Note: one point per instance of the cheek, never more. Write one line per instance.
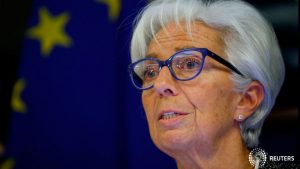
(146, 103)
(213, 93)
(200, 95)
(213, 108)
(149, 105)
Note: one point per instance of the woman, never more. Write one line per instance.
(210, 73)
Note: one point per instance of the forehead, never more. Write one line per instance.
(174, 37)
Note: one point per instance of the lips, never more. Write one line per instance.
(170, 114)
(171, 118)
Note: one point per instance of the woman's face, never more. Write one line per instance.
(190, 115)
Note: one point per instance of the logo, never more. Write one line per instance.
(257, 157)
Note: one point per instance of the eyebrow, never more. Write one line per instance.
(154, 55)
(151, 55)
(184, 47)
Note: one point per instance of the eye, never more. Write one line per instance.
(188, 63)
(150, 73)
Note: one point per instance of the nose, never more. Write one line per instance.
(165, 85)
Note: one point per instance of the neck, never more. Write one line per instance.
(229, 152)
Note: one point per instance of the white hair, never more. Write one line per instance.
(250, 45)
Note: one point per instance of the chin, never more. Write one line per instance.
(171, 141)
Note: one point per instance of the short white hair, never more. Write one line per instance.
(250, 45)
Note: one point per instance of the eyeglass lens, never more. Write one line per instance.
(183, 65)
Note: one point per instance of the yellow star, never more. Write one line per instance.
(8, 164)
(50, 31)
(17, 103)
(114, 8)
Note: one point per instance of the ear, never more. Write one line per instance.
(249, 101)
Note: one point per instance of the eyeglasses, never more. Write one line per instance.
(184, 65)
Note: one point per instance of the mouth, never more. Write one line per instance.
(171, 116)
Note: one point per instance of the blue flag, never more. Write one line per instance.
(74, 106)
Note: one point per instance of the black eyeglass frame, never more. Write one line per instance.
(205, 52)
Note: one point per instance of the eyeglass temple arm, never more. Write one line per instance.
(226, 63)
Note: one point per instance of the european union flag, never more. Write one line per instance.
(74, 106)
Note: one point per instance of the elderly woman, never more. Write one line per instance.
(210, 73)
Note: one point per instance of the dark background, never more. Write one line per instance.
(280, 132)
